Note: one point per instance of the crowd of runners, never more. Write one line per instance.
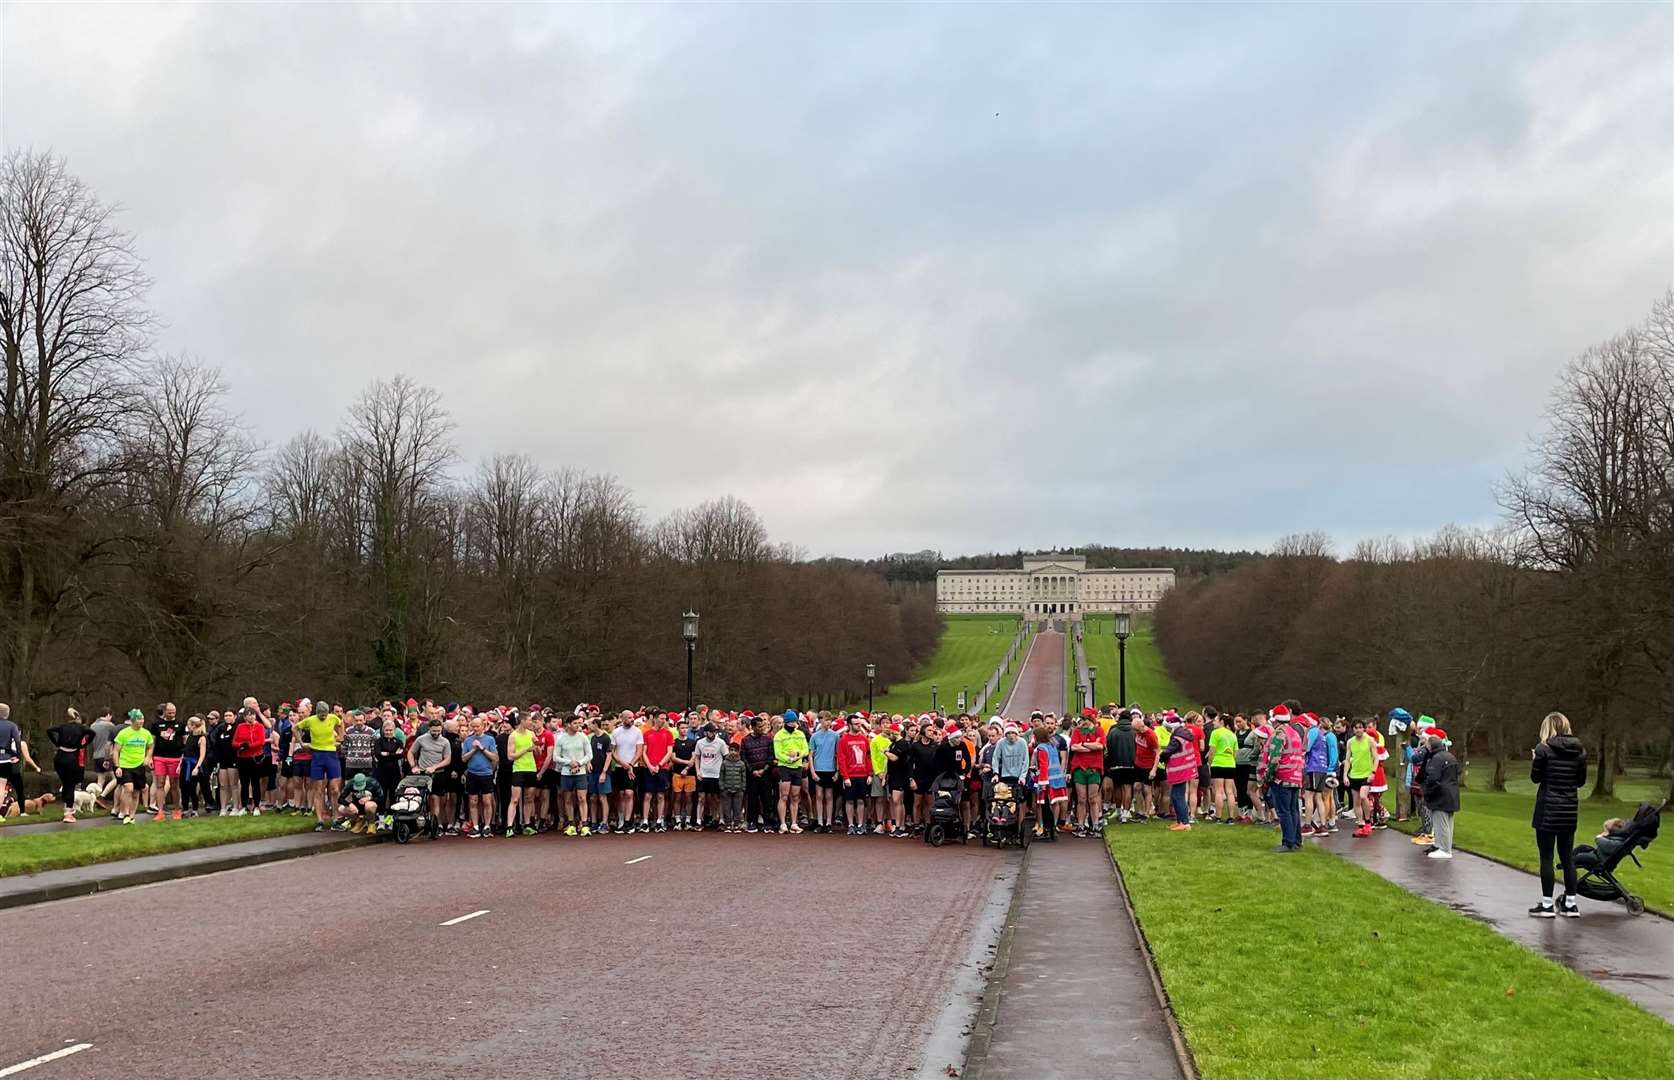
(509, 771)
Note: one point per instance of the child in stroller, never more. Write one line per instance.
(1005, 812)
(409, 808)
(945, 821)
(1618, 841)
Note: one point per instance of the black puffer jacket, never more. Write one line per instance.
(1560, 768)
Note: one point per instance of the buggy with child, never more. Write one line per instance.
(1005, 809)
(945, 822)
(1598, 862)
(409, 808)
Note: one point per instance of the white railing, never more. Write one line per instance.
(992, 687)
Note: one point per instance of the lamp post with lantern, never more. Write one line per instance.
(1124, 627)
(871, 677)
(689, 631)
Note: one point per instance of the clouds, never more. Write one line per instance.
(1211, 275)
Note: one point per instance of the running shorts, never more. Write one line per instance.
(1223, 772)
(166, 766)
(683, 783)
(326, 765)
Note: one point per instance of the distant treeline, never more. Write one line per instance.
(1186, 562)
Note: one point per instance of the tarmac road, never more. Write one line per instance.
(1040, 683)
(716, 957)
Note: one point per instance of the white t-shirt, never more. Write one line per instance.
(627, 741)
(710, 752)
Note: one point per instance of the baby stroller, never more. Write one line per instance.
(1598, 881)
(409, 808)
(1005, 813)
(945, 823)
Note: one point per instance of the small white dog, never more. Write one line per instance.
(87, 799)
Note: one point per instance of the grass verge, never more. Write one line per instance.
(35, 852)
(970, 648)
(1499, 824)
(1149, 682)
(1269, 975)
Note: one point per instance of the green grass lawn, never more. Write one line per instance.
(1008, 677)
(971, 647)
(34, 852)
(1148, 680)
(1499, 824)
(1309, 966)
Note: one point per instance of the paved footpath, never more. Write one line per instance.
(1040, 681)
(650, 957)
(1631, 955)
(1076, 1001)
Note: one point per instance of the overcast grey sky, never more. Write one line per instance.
(958, 277)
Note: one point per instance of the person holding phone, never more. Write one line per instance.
(1558, 766)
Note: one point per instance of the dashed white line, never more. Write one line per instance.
(462, 918)
(630, 862)
(12, 1070)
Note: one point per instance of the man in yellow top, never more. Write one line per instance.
(790, 753)
(325, 768)
(520, 751)
(134, 745)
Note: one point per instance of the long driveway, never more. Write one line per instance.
(1040, 682)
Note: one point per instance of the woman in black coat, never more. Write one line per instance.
(1558, 769)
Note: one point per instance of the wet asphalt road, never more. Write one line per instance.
(717, 957)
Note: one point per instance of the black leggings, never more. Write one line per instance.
(1565, 843)
(1242, 786)
(250, 776)
(68, 768)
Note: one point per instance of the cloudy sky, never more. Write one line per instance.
(962, 277)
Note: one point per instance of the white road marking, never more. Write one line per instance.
(11, 1070)
(462, 918)
(630, 862)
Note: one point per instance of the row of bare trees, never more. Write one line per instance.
(1569, 605)
(151, 548)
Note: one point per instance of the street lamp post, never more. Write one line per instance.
(871, 675)
(933, 697)
(1080, 696)
(1124, 627)
(1093, 684)
(688, 630)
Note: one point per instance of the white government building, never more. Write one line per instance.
(1058, 586)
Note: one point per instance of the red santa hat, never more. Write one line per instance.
(1279, 713)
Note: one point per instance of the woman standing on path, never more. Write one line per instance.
(69, 740)
(1559, 767)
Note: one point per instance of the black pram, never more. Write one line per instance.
(1598, 873)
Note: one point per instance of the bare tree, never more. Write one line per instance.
(73, 327)
(398, 449)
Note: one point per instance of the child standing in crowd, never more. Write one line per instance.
(732, 782)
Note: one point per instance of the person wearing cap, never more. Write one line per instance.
(1280, 768)
(790, 755)
(357, 808)
(708, 754)
(1119, 770)
(133, 764)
